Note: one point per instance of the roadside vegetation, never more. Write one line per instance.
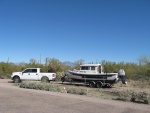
(123, 95)
(134, 71)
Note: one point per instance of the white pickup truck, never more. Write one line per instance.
(33, 74)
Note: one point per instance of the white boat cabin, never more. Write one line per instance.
(90, 68)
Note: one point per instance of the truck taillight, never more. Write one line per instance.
(53, 75)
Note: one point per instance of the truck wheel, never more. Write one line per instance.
(45, 80)
(16, 80)
(99, 84)
(92, 84)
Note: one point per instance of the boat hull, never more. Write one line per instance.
(83, 77)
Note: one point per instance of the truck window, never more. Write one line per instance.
(34, 70)
(27, 71)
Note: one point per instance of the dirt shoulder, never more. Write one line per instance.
(117, 92)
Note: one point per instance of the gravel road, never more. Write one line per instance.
(17, 100)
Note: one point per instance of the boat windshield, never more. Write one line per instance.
(85, 68)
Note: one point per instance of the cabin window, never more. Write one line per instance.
(85, 68)
(92, 67)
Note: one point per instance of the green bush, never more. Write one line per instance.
(72, 90)
(124, 95)
(39, 86)
(140, 97)
(83, 91)
(79, 91)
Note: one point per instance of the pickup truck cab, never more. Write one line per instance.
(32, 74)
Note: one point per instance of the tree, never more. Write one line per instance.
(54, 65)
(47, 61)
(144, 66)
(32, 61)
(78, 63)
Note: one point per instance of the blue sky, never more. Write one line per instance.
(70, 30)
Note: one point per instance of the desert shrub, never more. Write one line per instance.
(144, 66)
(141, 97)
(72, 90)
(51, 87)
(24, 85)
(59, 75)
(83, 91)
(54, 88)
(124, 95)
(79, 91)
(39, 86)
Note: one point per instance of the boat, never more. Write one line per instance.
(91, 74)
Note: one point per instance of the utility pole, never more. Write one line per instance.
(40, 58)
(8, 60)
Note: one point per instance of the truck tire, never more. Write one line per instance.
(92, 84)
(16, 79)
(45, 80)
(99, 84)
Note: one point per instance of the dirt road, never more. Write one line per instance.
(17, 100)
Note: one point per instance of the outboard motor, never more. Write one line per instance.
(121, 74)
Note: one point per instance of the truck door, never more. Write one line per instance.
(34, 75)
(26, 74)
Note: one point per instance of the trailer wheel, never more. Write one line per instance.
(92, 84)
(99, 84)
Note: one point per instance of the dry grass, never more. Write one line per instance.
(139, 84)
(135, 91)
